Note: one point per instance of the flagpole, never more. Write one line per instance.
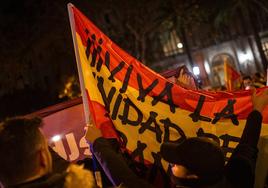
(78, 62)
(83, 91)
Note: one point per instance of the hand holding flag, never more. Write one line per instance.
(186, 79)
(92, 134)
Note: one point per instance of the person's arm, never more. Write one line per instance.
(252, 130)
(113, 162)
(240, 169)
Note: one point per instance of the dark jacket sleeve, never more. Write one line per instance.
(115, 166)
(240, 169)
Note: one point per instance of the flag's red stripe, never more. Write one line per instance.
(101, 120)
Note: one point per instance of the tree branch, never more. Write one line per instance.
(261, 5)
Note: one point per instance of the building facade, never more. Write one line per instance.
(241, 53)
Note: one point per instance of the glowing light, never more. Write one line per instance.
(180, 45)
(243, 57)
(56, 138)
(196, 71)
(207, 68)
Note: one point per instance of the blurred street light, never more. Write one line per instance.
(180, 45)
(56, 138)
(196, 71)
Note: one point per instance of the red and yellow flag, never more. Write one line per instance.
(230, 76)
(129, 100)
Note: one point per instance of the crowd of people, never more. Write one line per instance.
(255, 81)
(26, 161)
(187, 80)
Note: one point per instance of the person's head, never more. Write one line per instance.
(196, 160)
(258, 76)
(24, 151)
(259, 79)
(247, 82)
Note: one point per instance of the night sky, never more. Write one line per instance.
(36, 54)
(36, 51)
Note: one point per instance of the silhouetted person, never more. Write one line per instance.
(199, 162)
(259, 80)
(26, 162)
(247, 83)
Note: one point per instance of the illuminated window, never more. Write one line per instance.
(265, 48)
(171, 43)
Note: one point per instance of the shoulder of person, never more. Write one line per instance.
(77, 176)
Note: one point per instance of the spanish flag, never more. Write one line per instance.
(230, 76)
(129, 101)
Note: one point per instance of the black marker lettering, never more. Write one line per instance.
(227, 112)
(156, 129)
(167, 124)
(126, 79)
(116, 70)
(143, 92)
(196, 115)
(166, 92)
(125, 117)
(106, 100)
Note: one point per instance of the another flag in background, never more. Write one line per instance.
(231, 76)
